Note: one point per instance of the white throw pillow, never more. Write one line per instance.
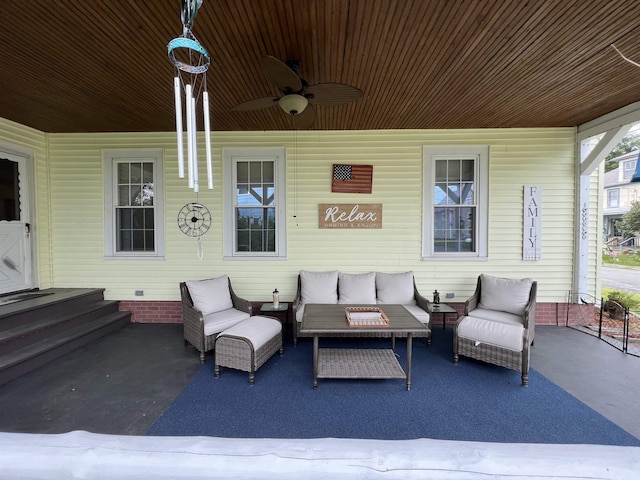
(395, 288)
(210, 296)
(504, 294)
(357, 288)
(319, 287)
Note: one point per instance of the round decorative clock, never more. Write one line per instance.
(194, 219)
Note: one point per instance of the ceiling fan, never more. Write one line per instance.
(298, 97)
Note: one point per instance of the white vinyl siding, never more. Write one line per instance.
(70, 199)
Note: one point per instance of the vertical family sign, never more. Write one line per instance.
(532, 235)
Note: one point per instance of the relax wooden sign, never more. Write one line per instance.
(350, 215)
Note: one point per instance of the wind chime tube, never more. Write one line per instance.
(207, 137)
(196, 185)
(190, 149)
(178, 99)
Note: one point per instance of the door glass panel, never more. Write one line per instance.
(9, 190)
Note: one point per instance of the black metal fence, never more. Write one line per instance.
(608, 320)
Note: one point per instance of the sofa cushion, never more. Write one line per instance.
(319, 287)
(505, 294)
(220, 321)
(503, 334)
(210, 296)
(357, 288)
(395, 288)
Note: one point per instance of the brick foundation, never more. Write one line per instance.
(171, 312)
(546, 313)
(153, 312)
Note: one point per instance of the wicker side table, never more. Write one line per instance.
(248, 345)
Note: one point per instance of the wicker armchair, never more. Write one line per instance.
(498, 325)
(209, 307)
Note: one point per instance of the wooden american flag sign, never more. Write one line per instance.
(352, 178)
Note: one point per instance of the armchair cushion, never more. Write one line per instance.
(220, 321)
(319, 287)
(357, 288)
(210, 296)
(395, 288)
(504, 294)
(500, 331)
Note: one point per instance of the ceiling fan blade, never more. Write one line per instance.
(332, 93)
(256, 104)
(286, 79)
(305, 119)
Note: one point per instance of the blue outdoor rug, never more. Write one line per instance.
(471, 401)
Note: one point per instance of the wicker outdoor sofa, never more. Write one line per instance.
(373, 288)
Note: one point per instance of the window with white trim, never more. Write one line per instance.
(613, 197)
(455, 223)
(628, 169)
(254, 207)
(134, 216)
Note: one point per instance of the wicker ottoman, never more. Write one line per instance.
(248, 345)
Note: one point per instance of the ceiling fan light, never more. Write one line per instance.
(293, 104)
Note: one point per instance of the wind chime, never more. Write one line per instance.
(192, 61)
(190, 83)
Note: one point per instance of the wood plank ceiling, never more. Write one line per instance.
(102, 66)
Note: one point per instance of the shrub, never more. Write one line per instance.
(625, 299)
(630, 224)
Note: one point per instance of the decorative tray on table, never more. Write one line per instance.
(366, 317)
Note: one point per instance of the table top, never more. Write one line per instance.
(442, 308)
(268, 307)
(331, 318)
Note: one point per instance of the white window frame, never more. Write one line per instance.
(611, 196)
(230, 158)
(110, 160)
(628, 169)
(480, 153)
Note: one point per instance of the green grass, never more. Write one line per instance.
(630, 300)
(626, 259)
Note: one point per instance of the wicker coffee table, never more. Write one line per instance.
(329, 320)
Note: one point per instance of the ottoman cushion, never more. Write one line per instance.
(258, 330)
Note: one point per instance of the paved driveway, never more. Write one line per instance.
(621, 278)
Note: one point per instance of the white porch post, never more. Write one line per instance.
(590, 152)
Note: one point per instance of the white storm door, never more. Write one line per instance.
(15, 244)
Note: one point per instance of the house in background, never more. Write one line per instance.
(621, 190)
